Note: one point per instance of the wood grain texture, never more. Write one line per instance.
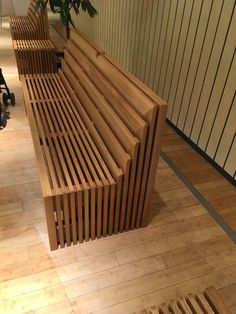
(208, 301)
(195, 168)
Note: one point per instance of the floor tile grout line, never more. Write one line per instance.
(211, 210)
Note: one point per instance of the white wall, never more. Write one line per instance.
(18, 7)
(7, 8)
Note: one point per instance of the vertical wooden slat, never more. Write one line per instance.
(206, 53)
(193, 68)
(178, 57)
(139, 34)
(157, 33)
(49, 211)
(162, 41)
(227, 135)
(222, 111)
(227, 49)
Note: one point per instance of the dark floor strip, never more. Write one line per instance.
(231, 233)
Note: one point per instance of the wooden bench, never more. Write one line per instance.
(32, 26)
(133, 101)
(33, 56)
(32, 46)
(207, 302)
(97, 132)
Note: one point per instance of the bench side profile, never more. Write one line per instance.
(151, 109)
(118, 128)
(106, 155)
(121, 157)
(126, 124)
(32, 26)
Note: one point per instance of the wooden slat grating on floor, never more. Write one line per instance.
(207, 302)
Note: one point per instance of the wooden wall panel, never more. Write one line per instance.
(185, 51)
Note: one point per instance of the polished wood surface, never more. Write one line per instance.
(182, 250)
(217, 190)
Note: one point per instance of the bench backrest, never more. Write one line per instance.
(34, 26)
(39, 20)
(141, 110)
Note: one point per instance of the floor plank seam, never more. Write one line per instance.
(220, 221)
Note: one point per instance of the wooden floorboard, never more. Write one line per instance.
(217, 190)
(182, 250)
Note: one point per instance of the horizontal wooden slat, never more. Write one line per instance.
(32, 26)
(72, 163)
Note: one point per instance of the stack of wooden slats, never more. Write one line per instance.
(32, 47)
(134, 115)
(78, 188)
(97, 134)
(32, 26)
(207, 302)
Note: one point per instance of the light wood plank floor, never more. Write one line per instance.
(218, 191)
(182, 250)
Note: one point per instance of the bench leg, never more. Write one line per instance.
(53, 242)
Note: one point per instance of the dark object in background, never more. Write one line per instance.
(56, 59)
(8, 98)
(4, 116)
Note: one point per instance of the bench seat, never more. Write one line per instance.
(78, 189)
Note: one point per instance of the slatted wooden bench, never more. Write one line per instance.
(207, 302)
(32, 26)
(33, 56)
(93, 97)
(133, 103)
(78, 188)
(32, 46)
